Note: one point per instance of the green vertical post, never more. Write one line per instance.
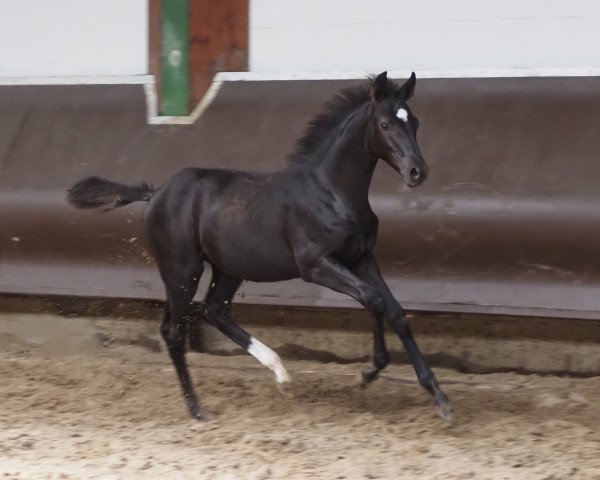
(175, 58)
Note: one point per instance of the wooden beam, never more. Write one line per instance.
(218, 41)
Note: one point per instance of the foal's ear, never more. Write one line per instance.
(380, 87)
(408, 89)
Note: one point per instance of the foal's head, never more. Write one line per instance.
(392, 130)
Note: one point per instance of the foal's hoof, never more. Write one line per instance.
(444, 410)
(366, 377)
(202, 415)
(283, 388)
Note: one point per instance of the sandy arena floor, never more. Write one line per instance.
(82, 399)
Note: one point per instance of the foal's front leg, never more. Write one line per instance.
(374, 295)
(381, 357)
(368, 271)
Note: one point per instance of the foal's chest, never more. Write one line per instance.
(351, 233)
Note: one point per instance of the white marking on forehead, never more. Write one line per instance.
(269, 359)
(402, 114)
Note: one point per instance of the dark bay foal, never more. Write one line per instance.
(310, 220)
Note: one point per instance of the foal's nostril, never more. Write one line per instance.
(415, 173)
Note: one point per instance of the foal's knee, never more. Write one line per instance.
(373, 302)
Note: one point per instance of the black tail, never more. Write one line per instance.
(96, 192)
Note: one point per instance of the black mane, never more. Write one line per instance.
(336, 110)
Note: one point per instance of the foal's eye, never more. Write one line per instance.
(385, 125)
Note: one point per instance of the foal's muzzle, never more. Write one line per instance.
(416, 175)
(414, 170)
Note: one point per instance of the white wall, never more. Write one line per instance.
(110, 37)
(372, 35)
(73, 37)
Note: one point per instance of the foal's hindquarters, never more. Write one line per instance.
(176, 218)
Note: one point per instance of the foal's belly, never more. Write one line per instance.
(248, 249)
(266, 264)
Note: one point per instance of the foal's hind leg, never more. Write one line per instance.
(217, 312)
(181, 281)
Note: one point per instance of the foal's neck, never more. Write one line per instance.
(346, 164)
